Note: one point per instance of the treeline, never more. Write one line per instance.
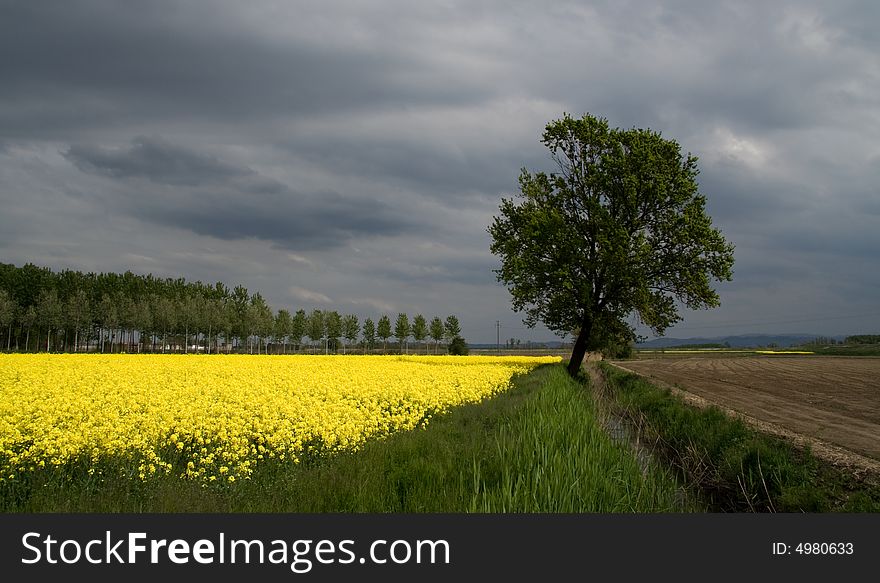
(71, 311)
(820, 341)
(863, 339)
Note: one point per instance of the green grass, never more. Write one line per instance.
(536, 448)
(737, 468)
(846, 350)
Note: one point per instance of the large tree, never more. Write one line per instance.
(620, 230)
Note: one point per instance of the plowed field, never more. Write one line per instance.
(830, 400)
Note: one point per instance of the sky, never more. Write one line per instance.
(350, 155)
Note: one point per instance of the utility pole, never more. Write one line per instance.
(498, 336)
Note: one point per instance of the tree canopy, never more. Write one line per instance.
(620, 229)
(109, 312)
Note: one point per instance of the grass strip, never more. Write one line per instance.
(736, 468)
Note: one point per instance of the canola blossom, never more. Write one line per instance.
(216, 417)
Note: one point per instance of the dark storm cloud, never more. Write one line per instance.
(423, 167)
(156, 160)
(78, 64)
(221, 130)
(466, 270)
(747, 201)
(215, 198)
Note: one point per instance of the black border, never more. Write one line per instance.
(515, 547)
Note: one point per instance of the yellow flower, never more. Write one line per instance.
(205, 416)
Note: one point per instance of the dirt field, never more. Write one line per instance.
(833, 403)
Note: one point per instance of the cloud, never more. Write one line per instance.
(361, 150)
(156, 160)
(226, 201)
(306, 295)
(301, 260)
(382, 306)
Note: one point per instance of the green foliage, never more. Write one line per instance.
(111, 312)
(436, 331)
(369, 333)
(451, 328)
(738, 468)
(863, 339)
(350, 327)
(283, 323)
(402, 329)
(621, 229)
(315, 326)
(419, 328)
(458, 346)
(383, 329)
(298, 326)
(8, 308)
(333, 327)
(846, 350)
(821, 341)
(618, 349)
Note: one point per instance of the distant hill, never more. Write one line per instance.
(742, 341)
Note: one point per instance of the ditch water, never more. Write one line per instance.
(623, 431)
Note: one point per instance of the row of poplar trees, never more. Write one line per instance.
(71, 311)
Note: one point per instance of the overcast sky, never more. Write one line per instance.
(350, 155)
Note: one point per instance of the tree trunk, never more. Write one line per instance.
(580, 347)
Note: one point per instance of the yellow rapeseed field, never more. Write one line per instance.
(215, 417)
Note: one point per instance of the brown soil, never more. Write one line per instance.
(830, 403)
